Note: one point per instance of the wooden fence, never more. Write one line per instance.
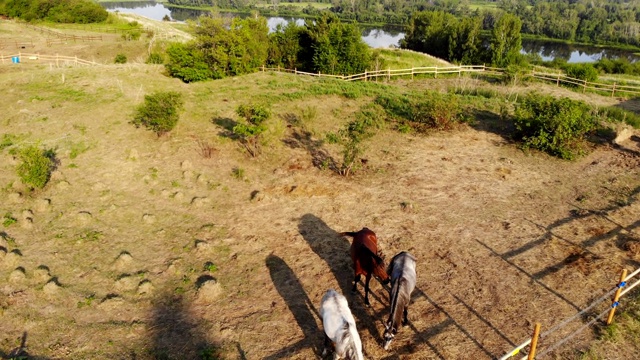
(459, 70)
(57, 59)
(389, 73)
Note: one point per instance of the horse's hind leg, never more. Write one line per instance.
(327, 344)
(366, 290)
(405, 321)
(355, 283)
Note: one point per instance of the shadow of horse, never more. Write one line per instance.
(174, 333)
(293, 294)
(334, 251)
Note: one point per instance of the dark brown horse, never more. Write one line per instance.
(366, 260)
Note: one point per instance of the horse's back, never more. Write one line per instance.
(403, 265)
(334, 311)
(363, 239)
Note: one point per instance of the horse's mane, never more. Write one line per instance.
(399, 299)
(348, 340)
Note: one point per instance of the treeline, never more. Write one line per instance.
(62, 11)
(458, 40)
(595, 21)
(591, 21)
(227, 47)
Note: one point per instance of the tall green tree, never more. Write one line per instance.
(221, 47)
(506, 41)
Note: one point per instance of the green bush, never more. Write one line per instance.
(35, 166)
(160, 111)
(188, 63)
(584, 72)
(556, 126)
(437, 111)
(249, 132)
(431, 111)
(121, 59)
(155, 58)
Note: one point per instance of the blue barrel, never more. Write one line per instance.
(15, 59)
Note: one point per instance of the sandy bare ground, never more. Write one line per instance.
(141, 248)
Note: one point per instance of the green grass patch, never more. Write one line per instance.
(405, 59)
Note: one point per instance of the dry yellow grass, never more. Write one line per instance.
(113, 258)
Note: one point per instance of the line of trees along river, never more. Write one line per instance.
(385, 36)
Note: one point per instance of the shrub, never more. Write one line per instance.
(584, 72)
(369, 118)
(432, 111)
(120, 59)
(250, 132)
(188, 63)
(155, 58)
(160, 111)
(556, 126)
(35, 166)
(437, 111)
(132, 35)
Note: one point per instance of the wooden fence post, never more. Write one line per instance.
(613, 91)
(585, 86)
(365, 75)
(616, 297)
(435, 74)
(534, 342)
(411, 74)
(558, 81)
(389, 73)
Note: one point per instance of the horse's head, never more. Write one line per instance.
(389, 334)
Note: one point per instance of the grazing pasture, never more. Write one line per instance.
(184, 246)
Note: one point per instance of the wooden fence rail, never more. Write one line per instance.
(57, 59)
(436, 70)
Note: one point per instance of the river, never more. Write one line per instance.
(387, 36)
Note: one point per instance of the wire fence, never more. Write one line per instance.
(582, 313)
(64, 36)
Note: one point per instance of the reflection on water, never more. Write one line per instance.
(384, 36)
(550, 50)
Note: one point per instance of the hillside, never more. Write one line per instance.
(143, 247)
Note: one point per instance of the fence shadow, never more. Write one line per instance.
(424, 336)
(174, 333)
(334, 251)
(293, 294)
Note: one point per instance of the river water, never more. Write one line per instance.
(387, 36)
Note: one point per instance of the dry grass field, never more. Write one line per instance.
(145, 248)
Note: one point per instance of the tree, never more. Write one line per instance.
(336, 47)
(506, 42)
